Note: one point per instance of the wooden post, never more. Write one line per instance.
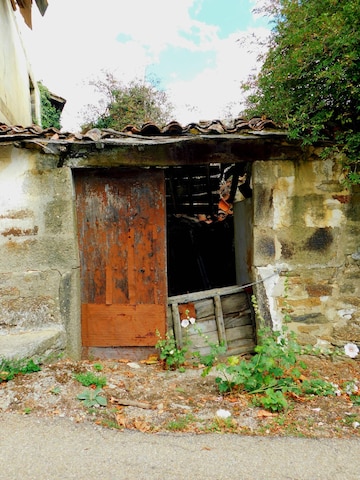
(176, 324)
(220, 320)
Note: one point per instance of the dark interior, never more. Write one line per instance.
(200, 255)
(200, 236)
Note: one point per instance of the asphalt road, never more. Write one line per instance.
(44, 449)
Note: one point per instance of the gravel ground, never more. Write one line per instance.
(146, 398)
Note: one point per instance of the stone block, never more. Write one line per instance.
(310, 318)
(36, 344)
(318, 290)
(264, 251)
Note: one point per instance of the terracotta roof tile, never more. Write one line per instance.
(214, 127)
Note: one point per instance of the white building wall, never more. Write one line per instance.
(18, 89)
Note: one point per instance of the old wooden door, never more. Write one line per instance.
(121, 218)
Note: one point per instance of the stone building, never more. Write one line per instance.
(85, 261)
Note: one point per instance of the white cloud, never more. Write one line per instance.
(216, 91)
(75, 40)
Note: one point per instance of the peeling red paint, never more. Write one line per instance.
(19, 232)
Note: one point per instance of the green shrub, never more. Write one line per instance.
(272, 373)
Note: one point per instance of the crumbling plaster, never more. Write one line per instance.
(39, 262)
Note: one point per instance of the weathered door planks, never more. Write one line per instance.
(122, 241)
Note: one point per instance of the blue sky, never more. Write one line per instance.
(229, 15)
(199, 50)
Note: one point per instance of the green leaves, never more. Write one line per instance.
(50, 116)
(10, 368)
(271, 373)
(122, 104)
(310, 80)
(89, 378)
(92, 398)
(172, 356)
(272, 400)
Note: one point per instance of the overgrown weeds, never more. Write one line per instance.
(10, 368)
(273, 374)
(88, 379)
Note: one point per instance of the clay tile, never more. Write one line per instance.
(254, 123)
(204, 123)
(150, 129)
(267, 123)
(216, 127)
(194, 129)
(173, 128)
(130, 129)
(18, 129)
(94, 134)
(35, 129)
(4, 129)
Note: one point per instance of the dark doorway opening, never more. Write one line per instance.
(200, 255)
(200, 225)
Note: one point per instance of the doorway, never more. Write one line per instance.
(204, 242)
(146, 235)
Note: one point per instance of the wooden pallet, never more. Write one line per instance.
(223, 315)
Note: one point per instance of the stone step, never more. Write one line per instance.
(39, 344)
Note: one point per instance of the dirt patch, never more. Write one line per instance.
(146, 397)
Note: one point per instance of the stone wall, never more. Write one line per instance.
(307, 245)
(39, 265)
(305, 248)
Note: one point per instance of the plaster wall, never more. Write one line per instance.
(307, 248)
(19, 96)
(39, 264)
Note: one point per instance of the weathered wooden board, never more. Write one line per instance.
(233, 334)
(239, 321)
(223, 314)
(205, 309)
(121, 217)
(235, 303)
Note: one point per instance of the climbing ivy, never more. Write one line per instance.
(50, 116)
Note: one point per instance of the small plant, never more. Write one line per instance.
(273, 400)
(286, 309)
(98, 367)
(317, 386)
(27, 411)
(89, 378)
(211, 358)
(10, 368)
(175, 357)
(180, 423)
(92, 398)
(55, 390)
(172, 356)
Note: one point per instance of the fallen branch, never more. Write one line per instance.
(130, 403)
